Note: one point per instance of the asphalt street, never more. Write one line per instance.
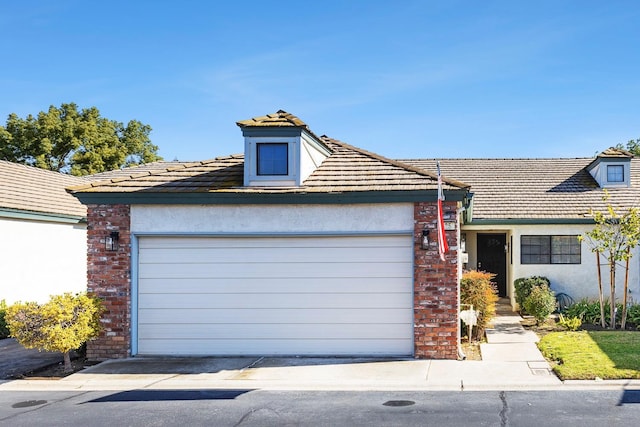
(149, 407)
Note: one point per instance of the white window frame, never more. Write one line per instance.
(251, 177)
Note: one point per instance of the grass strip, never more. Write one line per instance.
(594, 354)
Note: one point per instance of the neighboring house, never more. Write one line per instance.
(43, 230)
(303, 245)
(527, 213)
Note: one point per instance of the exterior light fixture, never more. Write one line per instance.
(424, 243)
(111, 241)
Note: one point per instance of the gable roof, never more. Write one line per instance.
(32, 190)
(542, 190)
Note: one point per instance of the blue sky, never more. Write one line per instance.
(405, 79)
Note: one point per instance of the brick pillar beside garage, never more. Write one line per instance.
(435, 306)
(109, 278)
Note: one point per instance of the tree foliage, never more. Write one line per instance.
(63, 324)
(613, 237)
(79, 142)
(632, 146)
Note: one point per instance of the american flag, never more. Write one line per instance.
(443, 246)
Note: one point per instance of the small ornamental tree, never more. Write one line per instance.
(63, 324)
(613, 237)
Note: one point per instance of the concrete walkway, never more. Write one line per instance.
(511, 361)
(508, 341)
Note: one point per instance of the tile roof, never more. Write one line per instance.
(135, 169)
(534, 188)
(615, 152)
(279, 119)
(347, 169)
(34, 190)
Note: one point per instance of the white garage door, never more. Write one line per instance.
(347, 295)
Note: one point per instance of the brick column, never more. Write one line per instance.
(109, 278)
(435, 306)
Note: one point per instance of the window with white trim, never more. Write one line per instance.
(543, 249)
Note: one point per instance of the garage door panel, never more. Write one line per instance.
(382, 241)
(313, 347)
(275, 295)
(327, 331)
(222, 317)
(261, 270)
(273, 255)
(335, 285)
(277, 301)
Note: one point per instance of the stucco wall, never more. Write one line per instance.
(272, 218)
(577, 280)
(39, 259)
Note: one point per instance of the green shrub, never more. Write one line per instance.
(540, 303)
(589, 312)
(570, 323)
(525, 285)
(63, 324)
(4, 331)
(633, 315)
(586, 310)
(476, 288)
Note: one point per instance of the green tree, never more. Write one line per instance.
(79, 142)
(613, 237)
(63, 324)
(632, 146)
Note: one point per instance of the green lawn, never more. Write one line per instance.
(595, 354)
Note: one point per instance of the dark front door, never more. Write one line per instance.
(492, 258)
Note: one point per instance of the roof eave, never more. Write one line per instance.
(227, 198)
(528, 221)
(41, 216)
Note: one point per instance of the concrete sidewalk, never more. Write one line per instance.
(511, 361)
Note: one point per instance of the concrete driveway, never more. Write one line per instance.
(16, 360)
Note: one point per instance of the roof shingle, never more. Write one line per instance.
(535, 188)
(30, 189)
(347, 169)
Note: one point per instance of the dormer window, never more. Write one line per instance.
(612, 168)
(272, 159)
(280, 151)
(615, 173)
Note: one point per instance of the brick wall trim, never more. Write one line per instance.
(109, 278)
(435, 311)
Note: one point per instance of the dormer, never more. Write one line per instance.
(612, 168)
(279, 150)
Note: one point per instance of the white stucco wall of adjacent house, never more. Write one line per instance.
(577, 280)
(39, 259)
(261, 219)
